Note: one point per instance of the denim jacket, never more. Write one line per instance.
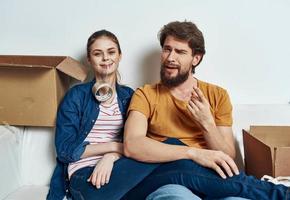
(75, 118)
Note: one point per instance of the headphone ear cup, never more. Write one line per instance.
(102, 92)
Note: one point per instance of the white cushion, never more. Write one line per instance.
(37, 155)
(27, 158)
(10, 159)
(29, 193)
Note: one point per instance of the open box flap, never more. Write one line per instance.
(9, 65)
(31, 60)
(73, 68)
(258, 160)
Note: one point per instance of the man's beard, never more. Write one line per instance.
(180, 78)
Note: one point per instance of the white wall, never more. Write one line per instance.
(247, 41)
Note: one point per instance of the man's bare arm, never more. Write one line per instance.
(217, 137)
(138, 146)
(221, 138)
(102, 148)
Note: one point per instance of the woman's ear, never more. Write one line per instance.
(120, 57)
(88, 60)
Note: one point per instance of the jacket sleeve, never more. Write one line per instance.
(68, 139)
(130, 92)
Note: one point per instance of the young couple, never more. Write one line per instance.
(172, 140)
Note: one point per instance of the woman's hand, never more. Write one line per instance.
(102, 172)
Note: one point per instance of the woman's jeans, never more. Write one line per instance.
(147, 178)
(126, 174)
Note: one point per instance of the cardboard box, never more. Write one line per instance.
(31, 87)
(267, 150)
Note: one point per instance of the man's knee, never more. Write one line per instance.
(172, 192)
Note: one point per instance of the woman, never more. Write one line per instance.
(89, 123)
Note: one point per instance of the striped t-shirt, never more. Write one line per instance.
(106, 129)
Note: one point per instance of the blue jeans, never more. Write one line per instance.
(179, 192)
(126, 174)
(205, 182)
(147, 178)
(172, 192)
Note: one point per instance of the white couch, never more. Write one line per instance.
(27, 154)
(27, 162)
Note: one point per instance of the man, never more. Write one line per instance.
(183, 119)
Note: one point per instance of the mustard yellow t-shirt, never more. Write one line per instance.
(170, 117)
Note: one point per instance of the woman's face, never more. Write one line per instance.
(104, 56)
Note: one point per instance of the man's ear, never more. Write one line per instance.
(196, 59)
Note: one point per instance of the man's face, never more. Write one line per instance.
(176, 61)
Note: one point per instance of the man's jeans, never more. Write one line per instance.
(179, 192)
(172, 192)
(147, 178)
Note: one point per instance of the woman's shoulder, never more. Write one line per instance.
(125, 90)
(79, 90)
(82, 86)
